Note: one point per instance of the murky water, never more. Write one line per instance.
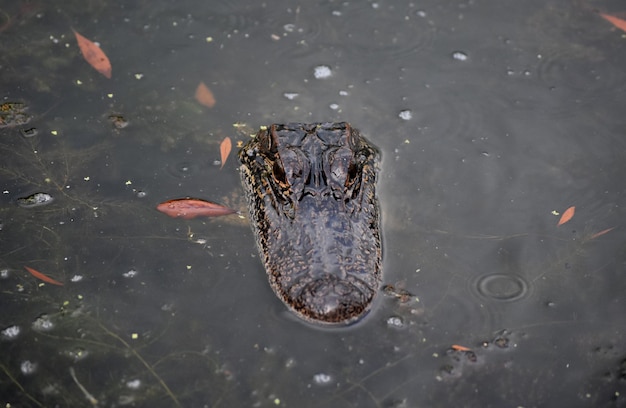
(493, 118)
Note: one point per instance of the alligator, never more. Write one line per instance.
(312, 203)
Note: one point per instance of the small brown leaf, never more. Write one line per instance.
(225, 147)
(204, 95)
(458, 347)
(94, 55)
(567, 215)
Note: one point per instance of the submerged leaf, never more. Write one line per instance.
(225, 147)
(597, 234)
(94, 55)
(567, 215)
(204, 95)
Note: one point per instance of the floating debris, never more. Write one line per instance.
(13, 114)
(89, 397)
(118, 121)
(29, 132)
(35, 200)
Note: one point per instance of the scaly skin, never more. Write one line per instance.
(313, 208)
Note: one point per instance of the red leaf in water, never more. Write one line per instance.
(225, 147)
(460, 348)
(597, 234)
(188, 208)
(94, 55)
(617, 22)
(204, 95)
(43, 277)
(567, 215)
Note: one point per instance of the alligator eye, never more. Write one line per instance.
(352, 173)
(279, 172)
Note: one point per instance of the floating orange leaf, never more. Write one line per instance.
(94, 55)
(205, 96)
(189, 208)
(597, 234)
(460, 348)
(567, 215)
(43, 277)
(225, 147)
(617, 22)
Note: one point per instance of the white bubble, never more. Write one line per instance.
(291, 95)
(43, 323)
(130, 274)
(395, 321)
(405, 114)
(322, 379)
(11, 332)
(28, 367)
(133, 384)
(460, 56)
(322, 72)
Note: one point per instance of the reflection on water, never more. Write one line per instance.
(487, 302)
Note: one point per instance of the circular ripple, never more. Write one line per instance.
(395, 35)
(502, 287)
(183, 169)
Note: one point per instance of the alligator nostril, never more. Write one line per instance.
(332, 300)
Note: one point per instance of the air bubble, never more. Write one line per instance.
(291, 95)
(322, 72)
(405, 114)
(460, 56)
(322, 379)
(28, 367)
(395, 322)
(130, 274)
(43, 323)
(10, 332)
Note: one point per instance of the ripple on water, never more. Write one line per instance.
(397, 33)
(182, 169)
(448, 111)
(501, 287)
